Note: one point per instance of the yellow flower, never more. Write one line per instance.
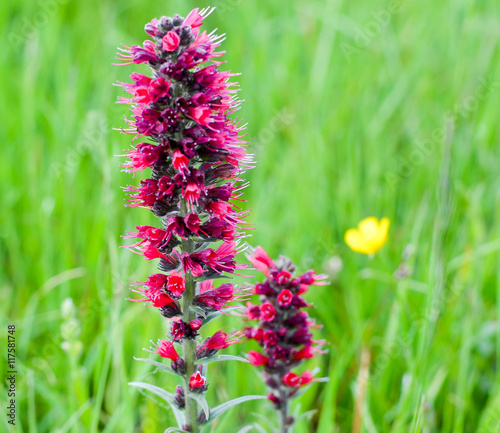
(369, 237)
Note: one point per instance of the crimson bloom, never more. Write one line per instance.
(197, 382)
(175, 284)
(261, 261)
(291, 379)
(171, 41)
(167, 350)
(257, 359)
(285, 298)
(216, 298)
(267, 312)
(216, 342)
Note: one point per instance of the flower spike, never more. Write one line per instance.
(283, 331)
(181, 113)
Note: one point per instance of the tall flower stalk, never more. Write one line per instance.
(196, 156)
(283, 331)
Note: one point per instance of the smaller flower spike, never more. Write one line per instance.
(283, 331)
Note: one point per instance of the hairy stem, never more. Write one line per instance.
(283, 414)
(283, 418)
(189, 345)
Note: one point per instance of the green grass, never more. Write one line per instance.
(355, 111)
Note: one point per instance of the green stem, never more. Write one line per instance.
(284, 428)
(189, 345)
(283, 418)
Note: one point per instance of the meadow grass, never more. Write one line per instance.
(347, 118)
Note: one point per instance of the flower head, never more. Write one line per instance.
(285, 298)
(291, 379)
(166, 349)
(257, 358)
(216, 342)
(267, 312)
(261, 260)
(175, 283)
(197, 382)
(369, 237)
(211, 298)
(171, 41)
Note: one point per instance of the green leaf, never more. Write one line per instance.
(202, 401)
(250, 428)
(198, 310)
(260, 428)
(270, 423)
(219, 410)
(174, 430)
(167, 396)
(304, 415)
(211, 277)
(202, 243)
(322, 379)
(211, 316)
(217, 358)
(215, 314)
(158, 364)
(160, 392)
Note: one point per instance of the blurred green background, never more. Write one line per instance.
(354, 109)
